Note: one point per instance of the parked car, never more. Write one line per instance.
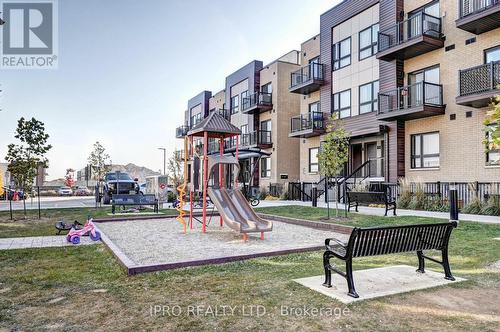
(65, 191)
(118, 183)
(142, 189)
(82, 191)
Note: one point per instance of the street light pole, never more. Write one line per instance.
(164, 160)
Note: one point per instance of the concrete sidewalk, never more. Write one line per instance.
(373, 211)
(40, 242)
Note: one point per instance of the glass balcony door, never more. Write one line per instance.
(416, 91)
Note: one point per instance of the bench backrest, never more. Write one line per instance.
(398, 239)
(134, 199)
(367, 196)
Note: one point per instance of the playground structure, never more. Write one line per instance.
(219, 173)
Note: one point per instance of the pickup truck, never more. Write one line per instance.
(118, 183)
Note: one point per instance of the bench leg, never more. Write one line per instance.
(421, 262)
(350, 280)
(348, 206)
(394, 210)
(386, 209)
(113, 209)
(357, 206)
(446, 265)
(328, 272)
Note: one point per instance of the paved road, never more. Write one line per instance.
(50, 203)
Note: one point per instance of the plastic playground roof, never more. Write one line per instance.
(216, 126)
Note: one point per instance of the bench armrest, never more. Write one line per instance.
(327, 242)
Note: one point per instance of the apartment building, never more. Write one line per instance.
(256, 100)
(411, 81)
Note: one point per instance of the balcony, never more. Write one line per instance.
(307, 125)
(257, 103)
(479, 84)
(259, 139)
(478, 16)
(224, 113)
(307, 79)
(181, 131)
(417, 35)
(411, 102)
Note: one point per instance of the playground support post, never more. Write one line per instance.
(221, 172)
(10, 201)
(38, 196)
(205, 180)
(191, 153)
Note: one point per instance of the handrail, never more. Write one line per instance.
(475, 6)
(421, 93)
(311, 120)
(415, 26)
(257, 98)
(479, 79)
(313, 71)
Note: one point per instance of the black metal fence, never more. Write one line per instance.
(418, 94)
(466, 191)
(275, 189)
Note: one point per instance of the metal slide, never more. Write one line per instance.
(237, 212)
(246, 211)
(230, 213)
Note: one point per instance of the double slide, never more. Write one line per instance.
(237, 212)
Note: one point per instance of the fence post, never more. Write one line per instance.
(38, 194)
(438, 188)
(453, 204)
(10, 201)
(314, 197)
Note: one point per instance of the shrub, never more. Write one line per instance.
(262, 194)
(171, 197)
(284, 196)
(271, 198)
(492, 206)
(475, 205)
(405, 193)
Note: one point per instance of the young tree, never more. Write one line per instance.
(28, 156)
(175, 167)
(99, 161)
(334, 152)
(493, 125)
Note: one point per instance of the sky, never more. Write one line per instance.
(127, 69)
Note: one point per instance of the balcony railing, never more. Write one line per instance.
(479, 79)
(257, 100)
(408, 31)
(307, 79)
(259, 137)
(407, 100)
(181, 131)
(469, 7)
(310, 121)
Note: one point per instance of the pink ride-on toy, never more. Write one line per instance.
(89, 229)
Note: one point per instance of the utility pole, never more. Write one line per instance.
(164, 160)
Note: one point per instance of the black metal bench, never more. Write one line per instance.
(134, 200)
(376, 241)
(370, 197)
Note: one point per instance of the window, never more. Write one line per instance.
(265, 167)
(267, 88)
(341, 54)
(342, 103)
(492, 54)
(492, 151)
(425, 150)
(368, 42)
(244, 94)
(368, 97)
(314, 107)
(313, 160)
(265, 125)
(195, 119)
(235, 104)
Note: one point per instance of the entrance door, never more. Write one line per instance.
(371, 155)
(356, 156)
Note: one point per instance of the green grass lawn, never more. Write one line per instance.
(32, 226)
(84, 288)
